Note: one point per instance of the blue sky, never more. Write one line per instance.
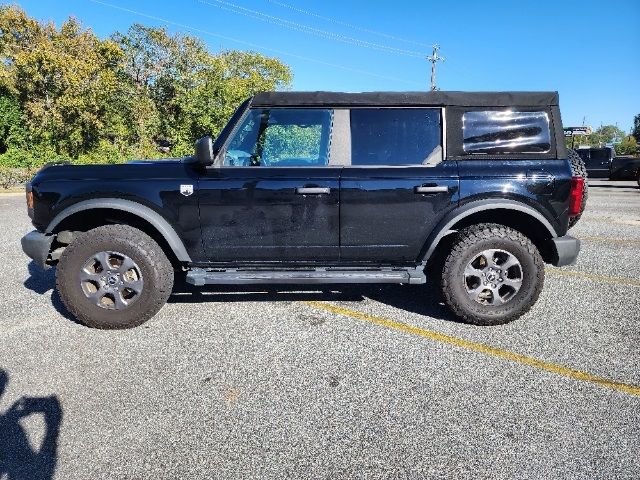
(587, 50)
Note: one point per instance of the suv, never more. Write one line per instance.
(475, 189)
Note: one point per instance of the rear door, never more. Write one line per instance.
(397, 186)
(597, 161)
(275, 196)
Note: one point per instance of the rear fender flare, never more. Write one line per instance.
(154, 218)
(446, 224)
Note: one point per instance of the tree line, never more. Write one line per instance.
(66, 94)
(625, 144)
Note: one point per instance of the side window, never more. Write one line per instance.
(505, 131)
(395, 136)
(280, 137)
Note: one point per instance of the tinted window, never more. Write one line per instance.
(281, 138)
(601, 155)
(583, 153)
(394, 136)
(506, 131)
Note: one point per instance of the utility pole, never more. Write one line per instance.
(433, 59)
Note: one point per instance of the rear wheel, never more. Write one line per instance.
(493, 275)
(114, 277)
(578, 169)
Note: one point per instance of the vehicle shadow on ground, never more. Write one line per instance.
(420, 299)
(42, 281)
(19, 458)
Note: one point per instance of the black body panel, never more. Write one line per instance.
(625, 168)
(540, 184)
(153, 184)
(384, 217)
(251, 214)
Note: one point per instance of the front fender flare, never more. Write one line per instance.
(444, 227)
(154, 218)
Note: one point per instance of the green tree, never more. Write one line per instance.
(218, 88)
(193, 92)
(63, 78)
(65, 93)
(628, 146)
(636, 128)
(599, 138)
(12, 130)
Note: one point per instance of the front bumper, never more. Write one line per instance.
(566, 250)
(37, 246)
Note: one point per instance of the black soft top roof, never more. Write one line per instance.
(393, 99)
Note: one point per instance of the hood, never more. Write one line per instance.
(136, 169)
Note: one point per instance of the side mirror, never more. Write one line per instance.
(204, 151)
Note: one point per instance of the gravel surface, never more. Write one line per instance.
(255, 383)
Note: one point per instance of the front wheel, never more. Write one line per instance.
(114, 277)
(493, 275)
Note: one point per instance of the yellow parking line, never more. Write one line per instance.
(480, 348)
(592, 276)
(621, 241)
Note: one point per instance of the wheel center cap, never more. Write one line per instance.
(491, 276)
(112, 280)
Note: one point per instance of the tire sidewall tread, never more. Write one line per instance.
(156, 269)
(473, 240)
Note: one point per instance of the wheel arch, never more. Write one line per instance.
(510, 213)
(114, 210)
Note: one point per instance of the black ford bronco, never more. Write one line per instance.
(475, 189)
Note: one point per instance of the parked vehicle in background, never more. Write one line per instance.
(625, 168)
(475, 189)
(604, 163)
(598, 161)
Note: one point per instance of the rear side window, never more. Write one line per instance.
(395, 136)
(505, 131)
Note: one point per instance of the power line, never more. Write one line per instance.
(253, 45)
(282, 22)
(346, 24)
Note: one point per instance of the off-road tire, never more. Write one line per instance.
(469, 243)
(156, 270)
(578, 169)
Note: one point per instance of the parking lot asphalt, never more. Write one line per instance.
(364, 382)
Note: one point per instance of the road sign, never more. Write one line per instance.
(573, 131)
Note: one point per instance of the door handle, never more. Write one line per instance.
(432, 189)
(313, 190)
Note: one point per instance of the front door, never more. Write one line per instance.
(398, 186)
(274, 198)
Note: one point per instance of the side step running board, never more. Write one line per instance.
(201, 276)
